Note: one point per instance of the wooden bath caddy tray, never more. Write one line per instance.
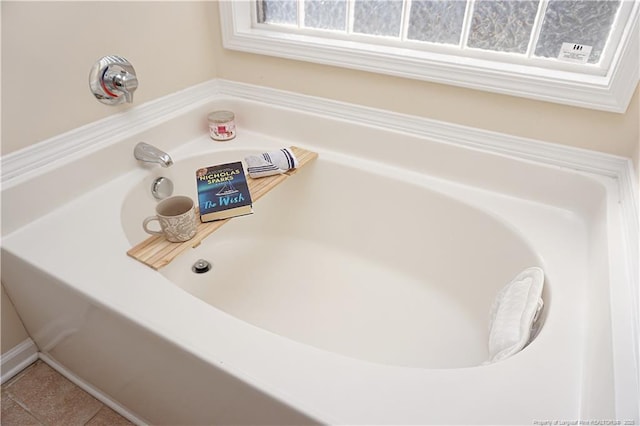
(157, 252)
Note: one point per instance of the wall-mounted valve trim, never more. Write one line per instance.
(113, 80)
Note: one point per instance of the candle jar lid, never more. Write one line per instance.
(221, 116)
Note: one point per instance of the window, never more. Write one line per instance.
(576, 52)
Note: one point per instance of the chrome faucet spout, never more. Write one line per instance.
(150, 154)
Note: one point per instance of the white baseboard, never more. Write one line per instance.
(17, 359)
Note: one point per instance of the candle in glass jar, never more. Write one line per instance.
(222, 126)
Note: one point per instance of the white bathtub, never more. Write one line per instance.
(357, 293)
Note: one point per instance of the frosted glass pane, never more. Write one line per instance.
(326, 14)
(278, 11)
(377, 17)
(438, 21)
(580, 22)
(502, 25)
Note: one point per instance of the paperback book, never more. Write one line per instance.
(223, 192)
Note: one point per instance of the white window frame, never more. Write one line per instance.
(611, 91)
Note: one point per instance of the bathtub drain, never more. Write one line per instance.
(201, 266)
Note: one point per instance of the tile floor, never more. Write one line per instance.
(39, 395)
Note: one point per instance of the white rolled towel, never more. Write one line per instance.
(271, 163)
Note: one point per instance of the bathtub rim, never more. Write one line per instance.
(23, 167)
(75, 146)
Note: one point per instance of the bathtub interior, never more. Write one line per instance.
(369, 265)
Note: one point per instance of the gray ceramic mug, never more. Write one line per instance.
(177, 218)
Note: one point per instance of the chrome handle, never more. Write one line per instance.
(121, 81)
(113, 80)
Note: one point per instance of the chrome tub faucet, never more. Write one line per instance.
(150, 154)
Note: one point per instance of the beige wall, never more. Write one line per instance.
(48, 49)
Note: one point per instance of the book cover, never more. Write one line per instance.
(223, 192)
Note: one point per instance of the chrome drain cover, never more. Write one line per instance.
(201, 266)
